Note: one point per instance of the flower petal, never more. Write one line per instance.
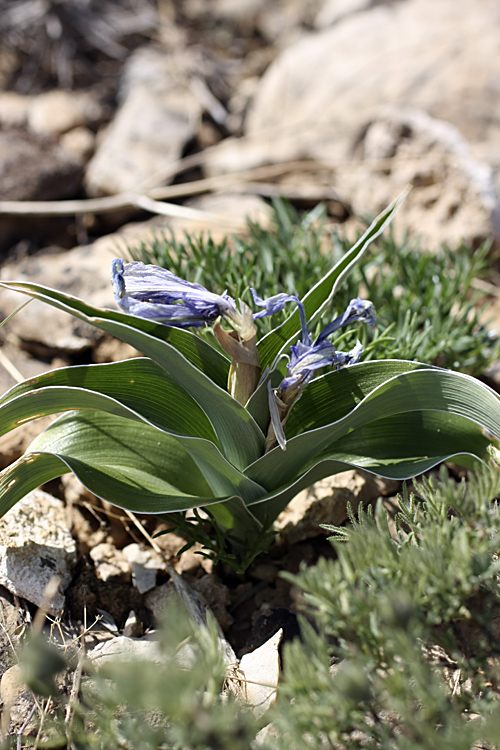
(159, 290)
(273, 304)
(358, 310)
(279, 432)
(178, 316)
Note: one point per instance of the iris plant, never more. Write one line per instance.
(183, 426)
(153, 292)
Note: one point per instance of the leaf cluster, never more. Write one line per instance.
(162, 434)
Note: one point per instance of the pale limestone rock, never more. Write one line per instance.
(79, 141)
(159, 114)
(35, 547)
(144, 564)
(258, 676)
(84, 272)
(55, 112)
(417, 53)
(109, 562)
(322, 96)
(454, 196)
(333, 11)
(125, 649)
(326, 503)
(13, 109)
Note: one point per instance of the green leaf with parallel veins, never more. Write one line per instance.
(421, 390)
(335, 394)
(238, 435)
(195, 349)
(138, 384)
(26, 474)
(404, 443)
(131, 465)
(398, 447)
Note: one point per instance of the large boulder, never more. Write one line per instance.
(158, 115)
(324, 94)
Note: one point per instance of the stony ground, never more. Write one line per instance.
(193, 115)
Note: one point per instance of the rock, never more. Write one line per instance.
(325, 503)
(125, 649)
(454, 197)
(34, 168)
(10, 628)
(216, 595)
(385, 55)
(190, 560)
(333, 11)
(157, 599)
(13, 109)
(18, 702)
(258, 676)
(84, 272)
(79, 142)
(133, 627)
(110, 562)
(144, 564)
(159, 114)
(55, 112)
(324, 92)
(35, 547)
(16, 365)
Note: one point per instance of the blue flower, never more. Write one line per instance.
(306, 359)
(152, 292)
(273, 304)
(357, 311)
(276, 303)
(307, 356)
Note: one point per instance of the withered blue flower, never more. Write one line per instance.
(152, 292)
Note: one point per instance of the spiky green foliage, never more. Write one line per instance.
(406, 651)
(171, 703)
(427, 305)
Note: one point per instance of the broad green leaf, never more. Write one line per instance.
(35, 469)
(144, 388)
(335, 394)
(401, 441)
(26, 474)
(420, 390)
(280, 339)
(134, 465)
(223, 479)
(195, 349)
(398, 447)
(238, 435)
